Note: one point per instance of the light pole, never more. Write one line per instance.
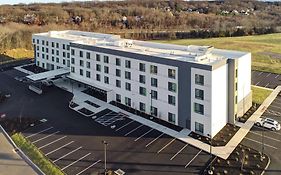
(262, 140)
(105, 146)
(210, 171)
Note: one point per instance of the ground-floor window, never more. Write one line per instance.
(142, 107)
(154, 111)
(118, 98)
(171, 118)
(199, 127)
(127, 101)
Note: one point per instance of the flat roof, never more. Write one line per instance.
(191, 53)
(48, 74)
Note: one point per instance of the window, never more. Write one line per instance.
(142, 79)
(118, 83)
(106, 80)
(37, 54)
(33, 40)
(47, 50)
(53, 59)
(199, 127)
(47, 57)
(81, 54)
(81, 72)
(88, 55)
(88, 64)
(63, 46)
(154, 82)
(68, 47)
(68, 63)
(127, 64)
(199, 94)
(98, 77)
(236, 86)
(81, 63)
(171, 100)
(198, 108)
(72, 61)
(43, 49)
(47, 43)
(88, 74)
(43, 42)
(142, 107)
(142, 67)
(43, 56)
(72, 52)
(63, 54)
(128, 86)
(37, 41)
(63, 61)
(154, 94)
(53, 51)
(171, 118)
(118, 62)
(172, 86)
(128, 75)
(172, 73)
(153, 69)
(68, 55)
(57, 45)
(118, 98)
(53, 44)
(105, 59)
(98, 67)
(127, 101)
(153, 110)
(199, 79)
(106, 69)
(118, 72)
(57, 60)
(236, 73)
(97, 57)
(58, 53)
(37, 47)
(142, 91)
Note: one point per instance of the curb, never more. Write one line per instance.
(268, 163)
(22, 154)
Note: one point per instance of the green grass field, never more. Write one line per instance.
(265, 49)
(260, 94)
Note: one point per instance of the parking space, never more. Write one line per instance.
(259, 138)
(266, 79)
(74, 143)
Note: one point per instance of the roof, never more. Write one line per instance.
(49, 74)
(191, 53)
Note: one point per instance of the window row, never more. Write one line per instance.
(53, 44)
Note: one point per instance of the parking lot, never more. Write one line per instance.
(265, 79)
(271, 139)
(74, 143)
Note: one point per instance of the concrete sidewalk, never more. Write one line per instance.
(10, 162)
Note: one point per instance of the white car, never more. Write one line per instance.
(268, 123)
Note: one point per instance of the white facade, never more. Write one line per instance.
(102, 61)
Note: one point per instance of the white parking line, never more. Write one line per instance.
(268, 74)
(257, 83)
(276, 76)
(166, 145)
(260, 143)
(265, 136)
(88, 167)
(260, 73)
(58, 148)
(266, 84)
(75, 161)
(192, 159)
(133, 130)
(45, 137)
(124, 125)
(52, 142)
(179, 152)
(154, 140)
(67, 154)
(144, 134)
(39, 132)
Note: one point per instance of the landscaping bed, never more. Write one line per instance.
(86, 111)
(73, 105)
(242, 161)
(92, 104)
(33, 68)
(147, 116)
(249, 113)
(221, 138)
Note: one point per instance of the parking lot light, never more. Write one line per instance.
(105, 146)
(210, 171)
(262, 141)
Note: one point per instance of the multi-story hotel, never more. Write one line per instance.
(197, 87)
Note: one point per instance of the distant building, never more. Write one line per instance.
(197, 87)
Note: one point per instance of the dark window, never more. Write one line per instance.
(171, 118)
(199, 108)
(72, 52)
(153, 69)
(88, 74)
(128, 86)
(118, 62)
(154, 82)
(142, 91)
(127, 64)
(105, 59)
(199, 79)
(106, 69)
(118, 83)
(106, 80)
(81, 53)
(118, 98)
(171, 100)
(172, 86)
(81, 72)
(128, 75)
(154, 94)
(172, 73)
(142, 106)
(142, 67)
(199, 94)
(199, 127)
(88, 55)
(98, 77)
(118, 72)
(97, 57)
(142, 79)
(98, 67)
(127, 101)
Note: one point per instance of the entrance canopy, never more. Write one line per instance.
(49, 74)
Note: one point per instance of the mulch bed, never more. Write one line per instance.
(86, 111)
(147, 116)
(249, 113)
(73, 105)
(35, 69)
(242, 161)
(221, 138)
(14, 125)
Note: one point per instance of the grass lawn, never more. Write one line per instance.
(265, 49)
(35, 155)
(19, 53)
(260, 94)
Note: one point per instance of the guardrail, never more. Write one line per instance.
(21, 153)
